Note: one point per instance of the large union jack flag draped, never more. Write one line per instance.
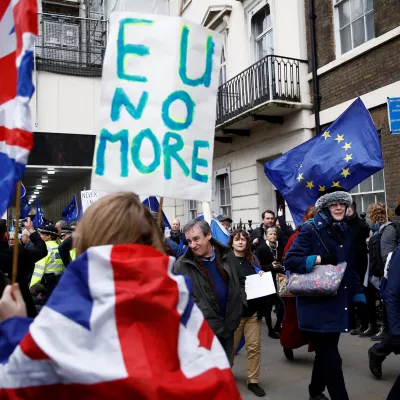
(18, 30)
(119, 325)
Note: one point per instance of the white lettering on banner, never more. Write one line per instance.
(88, 198)
(158, 106)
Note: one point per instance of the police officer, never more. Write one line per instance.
(49, 269)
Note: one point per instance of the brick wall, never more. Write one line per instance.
(390, 149)
(387, 16)
(361, 75)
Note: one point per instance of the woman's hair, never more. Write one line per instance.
(248, 254)
(310, 213)
(118, 218)
(377, 213)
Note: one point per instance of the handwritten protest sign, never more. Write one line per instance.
(88, 197)
(158, 105)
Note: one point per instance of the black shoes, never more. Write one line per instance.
(274, 335)
(357, 331)
(375, 364)
(278, 328)
(288, 354)
(257, 390)
(371, 331)
(382, 334)
(319, 397)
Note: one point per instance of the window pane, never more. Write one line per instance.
(368, 5)
(356, 9)
(370, 26)
(344, 14)
(378, 180)
(366, 186)
(345, 39)
(358, 32)
(228, 196)
(260, 23)
(355, 190)
(368, 199)
(380, 198)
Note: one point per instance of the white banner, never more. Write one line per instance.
(88, 197)
(158, 107)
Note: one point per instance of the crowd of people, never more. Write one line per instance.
(367, 302)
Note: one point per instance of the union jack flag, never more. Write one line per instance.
(18, 30)
(121, 325)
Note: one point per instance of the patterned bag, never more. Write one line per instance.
(281, 283)
(323, 280)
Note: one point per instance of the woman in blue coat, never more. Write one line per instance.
(326, 239)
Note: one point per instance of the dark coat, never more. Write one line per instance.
(325, 314)
(389, 240)
(258, 233)
(393, 293)
(203, 294)
(360, 231)
(26, 264)
(63, 249)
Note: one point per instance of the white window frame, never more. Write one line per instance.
(364, 208)
(218, 206)
(190, 206)
(252, 39)
(338, 44)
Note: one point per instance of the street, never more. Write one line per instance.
(285, 380)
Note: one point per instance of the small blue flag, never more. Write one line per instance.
(24, 205)
(344, 155)
(218, 232)
(71, 212)
(38, 219)
(152, 204)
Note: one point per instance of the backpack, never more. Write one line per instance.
(376, 264)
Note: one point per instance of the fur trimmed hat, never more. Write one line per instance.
(332, 196)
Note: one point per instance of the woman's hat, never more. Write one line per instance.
(333, 195)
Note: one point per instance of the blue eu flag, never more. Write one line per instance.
(344, 155)
(24, 205)
(38, 219)
(152, 204)
(71, 212)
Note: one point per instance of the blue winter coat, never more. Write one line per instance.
(393, 293)
(325, 314)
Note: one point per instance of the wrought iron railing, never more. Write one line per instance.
(271, 78)
(70, 45)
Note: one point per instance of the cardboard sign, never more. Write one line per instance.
(88, 197)
(158, 107)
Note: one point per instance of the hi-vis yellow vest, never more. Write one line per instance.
(51, 264)
(72, 254)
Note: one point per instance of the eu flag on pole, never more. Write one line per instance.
(38, 219)
(344, 155)
(152, 204)
(18, 30)
(71, 212)
(24, 205)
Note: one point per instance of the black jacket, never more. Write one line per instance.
(259, 232)
(177, 237)
(63, 249)
(389, 240)
(203, 294)
(360, 230)
(26, 264)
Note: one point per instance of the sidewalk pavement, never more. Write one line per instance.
(289, 380)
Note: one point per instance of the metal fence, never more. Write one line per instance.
(70, 45)
(271, 78)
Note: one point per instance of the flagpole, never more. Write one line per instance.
(384, 188)
(181, 9)
(160, 207)
(16, 241)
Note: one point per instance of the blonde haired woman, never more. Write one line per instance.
(127, 325)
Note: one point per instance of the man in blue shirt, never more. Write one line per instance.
(218, 281)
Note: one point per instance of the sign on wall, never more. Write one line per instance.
(158, 106)
(394, 114)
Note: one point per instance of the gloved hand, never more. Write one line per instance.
(329, 258)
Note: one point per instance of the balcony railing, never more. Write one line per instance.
(70, 45)
(271, 78)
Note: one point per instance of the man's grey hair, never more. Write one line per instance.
(62, 224)
(26, 232)
(201, 223)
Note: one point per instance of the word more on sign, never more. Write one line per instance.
(158, 106)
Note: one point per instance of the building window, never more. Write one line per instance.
(370, 191)
(355, 20)
(224, 194)
(192, 209)
(262, 32)
(222, 71)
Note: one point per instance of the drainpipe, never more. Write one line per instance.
(312, 18)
